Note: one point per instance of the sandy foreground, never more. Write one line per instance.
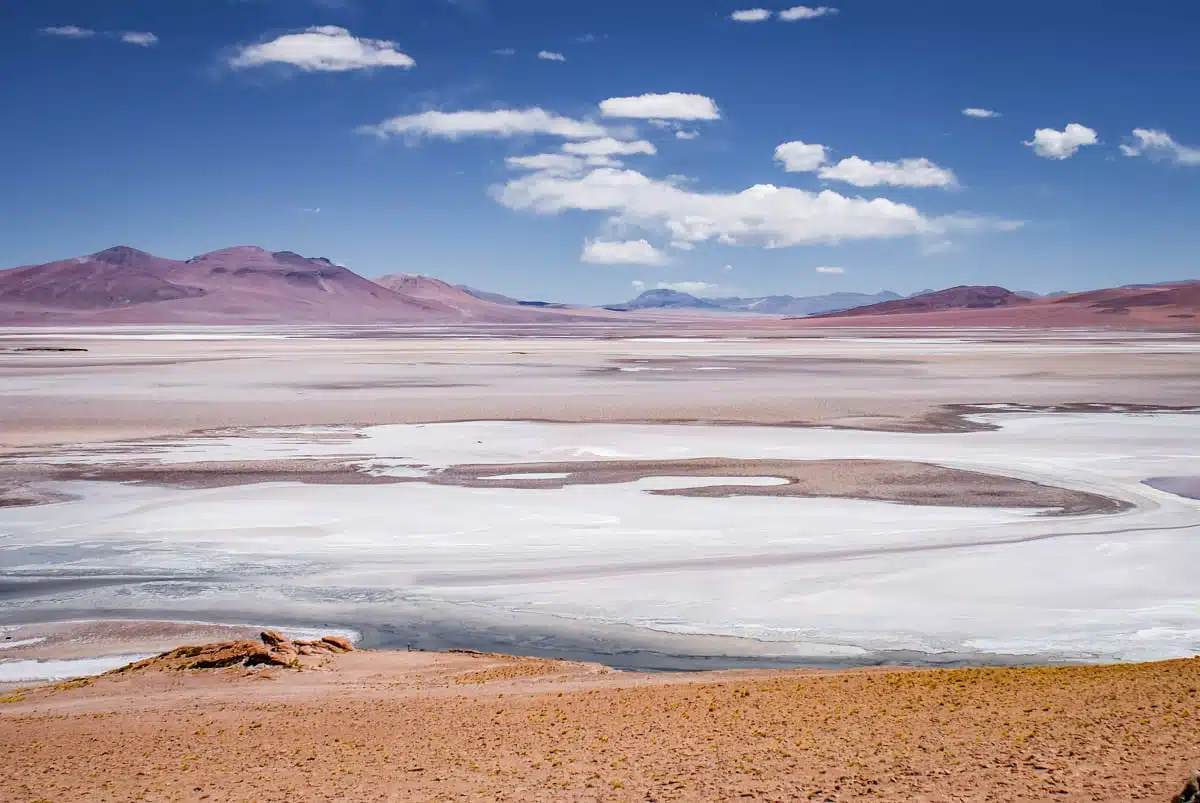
(392, 726)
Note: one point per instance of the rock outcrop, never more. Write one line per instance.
(1191, 790)
(272, 649)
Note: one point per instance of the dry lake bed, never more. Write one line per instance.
(696, 498)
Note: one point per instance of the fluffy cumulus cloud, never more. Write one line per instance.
(1050, 144)
(830, 269)
(496, 123)
(666, 106)
(750, 15)
(762, 215)
(69, 31)
(140, 38)
(904, 173)
(804, 157)
(325, 48)
(621, 252)
(800, 157)
(983, 114)
(607, 146)
(805, 13)
(1160, 145)
(550, 55)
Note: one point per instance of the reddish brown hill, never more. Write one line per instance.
(961, 297)
(115, 277)
(1175, 306)
(468, 306)
(233, 285)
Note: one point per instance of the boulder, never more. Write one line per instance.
(339, 643)
(273, 639)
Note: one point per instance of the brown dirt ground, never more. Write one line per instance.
(396, 726)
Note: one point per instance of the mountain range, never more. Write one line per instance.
(250, 285)
(244, 284)
(762, 305)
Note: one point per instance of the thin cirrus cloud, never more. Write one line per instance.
(140, 38)
(497, 123)
(621, 252)
(607, 146)
(793, 14)
(664, 106)
(979, 113)
(804, 157)
(1161, 145)
(1051, 144)
(796, 13)
(69, 31)
(325, 48)
(550, 55)
(830, 269)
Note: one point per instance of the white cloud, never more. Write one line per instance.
(750, 15)
(638, 285)
(667, 106)
(498, 123)
(1161, 145)
(550, 55)
(800, 157)
(1051, 144)
(691, 288)
(504, 51)
(805, 13)
(682, 245)
(683, 133)
(559, 163)
(142, 38)
(975, 111)
(311, 210)
(904, 173)
(325, 48)
(607, 146)
(618, 252)
(830, 269)
(764, 214)
(69, 31)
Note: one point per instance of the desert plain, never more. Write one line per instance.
(919, 564)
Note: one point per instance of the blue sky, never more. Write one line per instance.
(192, 125)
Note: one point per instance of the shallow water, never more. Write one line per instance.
(599, 570)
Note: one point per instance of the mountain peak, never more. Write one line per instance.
(123, 255)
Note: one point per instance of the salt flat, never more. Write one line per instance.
(555, 562)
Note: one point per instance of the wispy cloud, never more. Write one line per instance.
(830, 269)
(1161, 145)
(975, 111)
(326, 48)
(796, 13)
(504, 51)
(550, 55)
(142, 38)
(496, 123)
(69, 31)
(793, 14)
(750, 15)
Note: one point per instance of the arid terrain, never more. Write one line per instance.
(426, 726)
(804, 511)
